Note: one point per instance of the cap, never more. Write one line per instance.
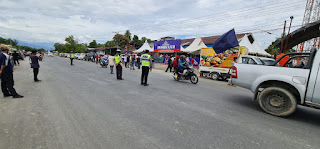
(4, 47)
(118, 50)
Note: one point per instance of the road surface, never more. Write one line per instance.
(85, 107)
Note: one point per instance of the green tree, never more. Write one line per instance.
(272, 49)
(143, 39)
(128, 34)
(59, 47)
(110, 44)
(121, 40)
(136, 42)
(81, 48)
(93, 44)
(71, 44)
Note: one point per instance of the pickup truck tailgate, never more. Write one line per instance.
(250, 76)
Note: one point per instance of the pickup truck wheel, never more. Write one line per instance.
(277, 101)
(214, 76)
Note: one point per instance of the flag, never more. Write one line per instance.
(225, 42)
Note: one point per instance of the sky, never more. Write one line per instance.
(50, 21)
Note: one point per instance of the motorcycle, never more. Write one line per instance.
(189, 75)
(104, 62)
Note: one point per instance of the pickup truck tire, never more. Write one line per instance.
(277, 101)
(215, 76)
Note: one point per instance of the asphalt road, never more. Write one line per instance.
(85, 107)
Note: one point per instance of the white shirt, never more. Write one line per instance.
(111, 60)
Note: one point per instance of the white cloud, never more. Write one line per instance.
(53, 20)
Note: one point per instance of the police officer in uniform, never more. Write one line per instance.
(146, 66)
(118, 61)
(71, 57)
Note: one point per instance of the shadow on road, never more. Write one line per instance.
(302, 114)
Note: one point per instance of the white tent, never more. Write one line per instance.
(252, 45)
(195, 46)
(145, 46)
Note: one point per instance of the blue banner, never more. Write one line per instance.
(167, 46)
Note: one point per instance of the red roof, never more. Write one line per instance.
(207, 40)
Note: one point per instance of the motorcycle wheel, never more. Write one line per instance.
(194, 79)
(176, 77)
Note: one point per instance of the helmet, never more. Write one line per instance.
(182, 57)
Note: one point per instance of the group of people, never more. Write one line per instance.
(178, 63)
(6, 71)
(146, 62)
(115, 60)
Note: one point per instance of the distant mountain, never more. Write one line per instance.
(46, 46)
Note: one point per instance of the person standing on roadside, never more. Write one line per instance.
(128, 61)
(15, 56)
(111, 62)
(138, 61)
(169, 64)
(35, 64)
(118, 61)
(146, 66)
(6, 73)
(71, 57)
(133, 59)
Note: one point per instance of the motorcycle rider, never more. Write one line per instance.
(182, 64)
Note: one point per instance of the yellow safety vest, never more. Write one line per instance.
(117, 59)
(72, 56)
(145, 60)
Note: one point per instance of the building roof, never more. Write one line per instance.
(206, 40)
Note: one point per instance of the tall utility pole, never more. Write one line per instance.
(286, 46)
(284, 32)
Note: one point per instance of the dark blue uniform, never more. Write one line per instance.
(7, 76)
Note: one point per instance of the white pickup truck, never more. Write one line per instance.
(279, 89)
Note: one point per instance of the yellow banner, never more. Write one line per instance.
(207, 52)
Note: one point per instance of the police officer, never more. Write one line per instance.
(118, 61)
(146, 66)
(71, 57)
(6, 73)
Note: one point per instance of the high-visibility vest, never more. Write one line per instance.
(145, 60)
(117, 59)
(72, 56)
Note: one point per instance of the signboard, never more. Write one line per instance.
(209, 58)
(167, 46)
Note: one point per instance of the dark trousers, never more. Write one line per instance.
(7, 84)
(144, 75)
(15, 61)
(71, 60)
(169, 67)
(111, 69)
(119, 71)
(35, 73)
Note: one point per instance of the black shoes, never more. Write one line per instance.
(17, 96)
(37, 80)
(121, 79)
(7, 95)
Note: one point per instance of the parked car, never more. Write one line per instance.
(88, 57)
(279, 89)
(50, 54)
(268, 61)
(248, 59)
(81, 56)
